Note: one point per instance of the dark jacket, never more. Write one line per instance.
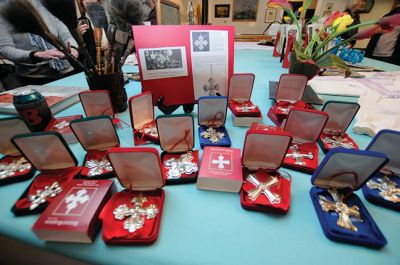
(395, 58)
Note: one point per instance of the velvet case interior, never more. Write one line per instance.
(211, 118)
(264, 188)
(139, 172)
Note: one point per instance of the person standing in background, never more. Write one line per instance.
(386, 46)
(37, 61)
(354, 9)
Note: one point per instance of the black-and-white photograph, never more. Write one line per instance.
(163, 59)
(201, 41)
(163, 62)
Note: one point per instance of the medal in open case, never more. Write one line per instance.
(179, 160)
(264, 188)
(96, 135)
(133, 215)
(14, 167)
(290, 91)
(243, 110)
(384, 187)
(341, 213)
(48, 153)
(142, 118)
(211, 119)
(305, 126)
(341, 114)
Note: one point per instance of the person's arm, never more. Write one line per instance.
(8, 48)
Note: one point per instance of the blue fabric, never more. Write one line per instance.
(368, 233)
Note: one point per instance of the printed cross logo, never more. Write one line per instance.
(201, 42)
(221, 162)
(73, 200)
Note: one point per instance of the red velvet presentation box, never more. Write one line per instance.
(49, 153)
(264, 188)
(264, 127)
(290, 91)
(96, 135)
(13, 166)
(133, 215)
(179, 160)
(142, 119)
(305, 126)
(74, 214)
(221, 169)
(243, 110)
(62, 126)
(341, 114)
(98, 103)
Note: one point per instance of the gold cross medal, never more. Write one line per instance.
(341, 213)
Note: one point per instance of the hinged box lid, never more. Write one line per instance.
(141, 109)
(341, 114)
(96, 103)
(347, 168)
(388, 142)
(241, 87)
(45, 150)
(305, 125)
(212, 110)
(265, 149)
(95, 133)
(291, 87)
(10, 127)
(175, 132)
(137, 168)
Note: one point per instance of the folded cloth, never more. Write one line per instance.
(377, 113)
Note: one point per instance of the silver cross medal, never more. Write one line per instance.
(344, 212)
(245, 108)
(137, 214)
(298, 157)
(212, 135)
(98, 167)
(17, 165)
(181, 165)
(41, 195)
(338, 141)
(285, 110)
(263, 188)
(152, 131)
(61, 125)
(388, 189)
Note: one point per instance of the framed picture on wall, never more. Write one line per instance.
(245, 10)
(369, 4)
(270, 15)
(222, 11)
(329, 7)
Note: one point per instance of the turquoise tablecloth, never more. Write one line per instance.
(205, 227)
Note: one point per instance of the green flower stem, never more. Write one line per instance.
(340, 44)
(325, 42)
(312, 42)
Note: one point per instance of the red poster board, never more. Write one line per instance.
(176, 90)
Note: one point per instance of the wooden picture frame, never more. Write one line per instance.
(222, 11)
(270, 15)
(168, 13)
(244, 10)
